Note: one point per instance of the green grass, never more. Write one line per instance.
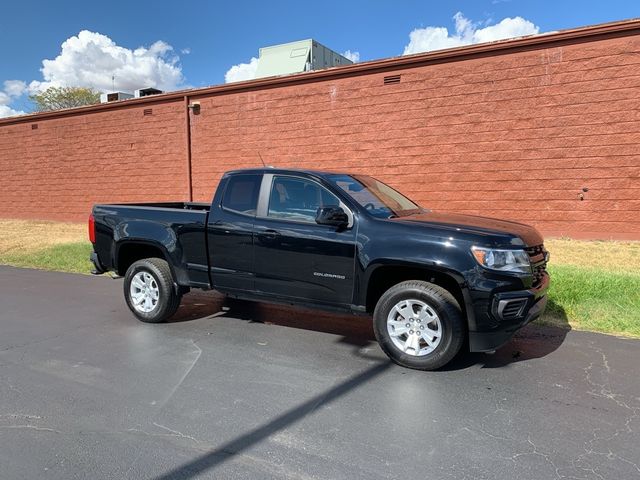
(65, 257)
(594, 299)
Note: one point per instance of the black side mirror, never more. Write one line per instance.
(332, 215)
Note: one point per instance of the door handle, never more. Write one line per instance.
(271, 233)
(218, 223)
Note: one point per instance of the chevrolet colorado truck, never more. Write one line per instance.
(433, 282)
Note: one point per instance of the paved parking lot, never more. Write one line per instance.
(241, 390)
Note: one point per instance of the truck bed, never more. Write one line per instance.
(177, 229)
(167, 205)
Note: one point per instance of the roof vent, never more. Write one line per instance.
(391, 79)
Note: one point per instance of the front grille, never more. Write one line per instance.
(538, 259)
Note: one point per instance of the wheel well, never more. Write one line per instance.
(383, 278)
(132, 252)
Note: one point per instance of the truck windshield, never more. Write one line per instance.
(379, 199)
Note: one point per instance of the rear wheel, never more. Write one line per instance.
(419, 325)
(149, 290)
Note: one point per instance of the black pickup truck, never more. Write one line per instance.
(332, 241)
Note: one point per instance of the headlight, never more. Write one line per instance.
(502, 260)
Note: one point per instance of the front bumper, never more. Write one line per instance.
(511, 311)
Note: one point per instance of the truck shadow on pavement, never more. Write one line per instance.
(227, 451)
(533, 341)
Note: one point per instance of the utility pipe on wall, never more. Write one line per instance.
(187, 134)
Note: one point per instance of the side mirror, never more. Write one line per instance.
(332, 215)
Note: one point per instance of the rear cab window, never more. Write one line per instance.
(241, 194)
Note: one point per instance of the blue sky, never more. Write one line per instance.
(208, 38)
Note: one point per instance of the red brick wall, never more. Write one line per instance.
(64, 166)
(515, 136)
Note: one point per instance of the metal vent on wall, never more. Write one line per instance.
(391, 79)
(34, 126)
(147, 111)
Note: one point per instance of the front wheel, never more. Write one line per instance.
(149, 290)
(419, 325)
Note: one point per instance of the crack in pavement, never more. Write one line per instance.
(604, 390)
(31, 427)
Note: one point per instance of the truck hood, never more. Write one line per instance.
(476, 225)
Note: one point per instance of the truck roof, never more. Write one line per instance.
(262, 170)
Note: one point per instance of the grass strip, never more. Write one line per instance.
(65, 257)
(594, 299)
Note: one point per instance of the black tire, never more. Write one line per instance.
(440, 301)
(168, 298)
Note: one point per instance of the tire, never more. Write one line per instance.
(432, 311)
(154, 275)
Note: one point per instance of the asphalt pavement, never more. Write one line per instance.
(249, 391)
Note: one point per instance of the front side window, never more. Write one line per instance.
(379, 199)
(241, 194)
(298, 199)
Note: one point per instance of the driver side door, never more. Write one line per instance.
(294, 256)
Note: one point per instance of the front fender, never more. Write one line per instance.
(438, 255)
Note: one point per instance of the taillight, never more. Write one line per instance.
(92, 229)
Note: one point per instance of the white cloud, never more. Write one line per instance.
(353, 56)
(6, 111)
(466, 33)
(242, 71)
(14, 88)
(91, 59)
(185, 51)
(506, 28)
(5, 101)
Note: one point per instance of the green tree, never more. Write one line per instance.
(56, 98)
